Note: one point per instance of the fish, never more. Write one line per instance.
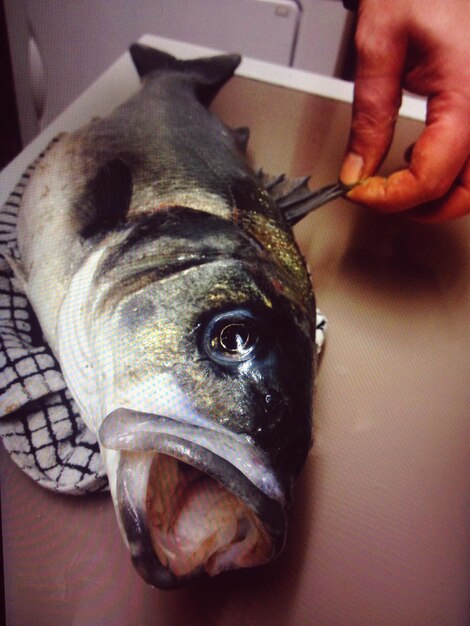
(165, 277)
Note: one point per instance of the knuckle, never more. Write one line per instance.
(372, 125)
(376, 105)
(364, 42)
(373, 118)
(372, 45)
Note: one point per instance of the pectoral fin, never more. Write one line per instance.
(17, 268)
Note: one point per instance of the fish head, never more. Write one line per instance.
(206, 361)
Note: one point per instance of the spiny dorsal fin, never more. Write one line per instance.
(292, 195)
(208, 74)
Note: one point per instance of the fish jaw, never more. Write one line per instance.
(184, 509)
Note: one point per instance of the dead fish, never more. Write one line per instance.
(165, 277)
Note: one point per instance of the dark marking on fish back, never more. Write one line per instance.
(190, 238)
(107, 199)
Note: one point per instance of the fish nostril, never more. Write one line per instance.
(273, 403)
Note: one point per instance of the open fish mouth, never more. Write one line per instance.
(186, 510)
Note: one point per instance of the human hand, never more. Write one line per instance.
(424, 47)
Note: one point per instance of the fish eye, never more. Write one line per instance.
(232, 337)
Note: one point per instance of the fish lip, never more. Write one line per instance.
(132, 430)
(132, 512)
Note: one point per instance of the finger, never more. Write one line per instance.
(455, 203)
(377, 95)
(437, 160)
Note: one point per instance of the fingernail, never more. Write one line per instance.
(352, 168)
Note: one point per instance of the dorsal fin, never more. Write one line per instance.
(208, 74)
(292, 195)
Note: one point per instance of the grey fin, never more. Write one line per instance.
(241, 136)
(107, 199)
(292, 195)
(208, 74)
(295, 199)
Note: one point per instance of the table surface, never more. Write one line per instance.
(380, 529)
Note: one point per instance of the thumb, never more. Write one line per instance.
(381, 54)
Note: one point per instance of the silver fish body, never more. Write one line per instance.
(168, 283)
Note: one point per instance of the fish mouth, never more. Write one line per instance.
(186, 510)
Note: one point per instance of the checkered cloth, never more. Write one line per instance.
(40, 425)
